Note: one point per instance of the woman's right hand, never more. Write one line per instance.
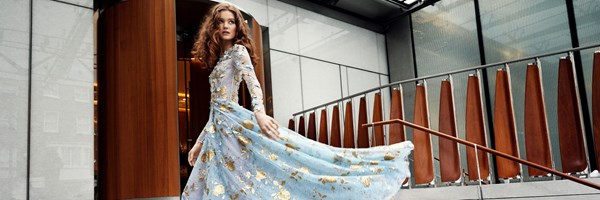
(193, 154)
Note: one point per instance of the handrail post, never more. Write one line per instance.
(478, 172)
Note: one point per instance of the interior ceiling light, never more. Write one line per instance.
(409, 2)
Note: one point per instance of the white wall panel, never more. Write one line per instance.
(283, 29)
(320, 82)
(256, 8)
(344, 77)
(359, 81)
(62, 102)
(381, 54)
(333, 40)
(287, 92)
(85, 3)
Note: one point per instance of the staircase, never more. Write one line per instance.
(444, 176)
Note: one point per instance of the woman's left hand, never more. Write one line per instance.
(268, 125)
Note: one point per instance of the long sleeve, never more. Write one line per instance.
(243, 64)
(201, 137)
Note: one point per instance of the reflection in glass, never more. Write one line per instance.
(61, 157)
(14, 70)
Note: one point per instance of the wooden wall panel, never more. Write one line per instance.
(378, 136)
(323, 135)
(475, 130)
(537, 142)
(138, 143)
(570, 127)
(505, 130)
(292, 125)
(302, 126)
(396, 112)
(312, 127)
(448, 151)
(362, 138)
(423, 156)
(335, 140)
(349, 126)
(596, 104)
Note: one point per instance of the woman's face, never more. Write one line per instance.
(227, 28)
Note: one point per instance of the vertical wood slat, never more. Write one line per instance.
(323, 127)
(312, 127)
(396, 130)
(448, 150)
(596, 104)
(423, 157)
(378, 137)
(505, 138)
(537, 142)
(349, 126)
(475, 130)
(335, 138)
(292, 125)
(570, 129)
(362, 138)
(301, 126)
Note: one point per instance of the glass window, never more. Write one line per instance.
(515, 29)
(587, 18)
(445, 39)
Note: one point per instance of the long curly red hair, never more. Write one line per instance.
(207, 47)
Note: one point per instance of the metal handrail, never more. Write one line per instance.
(448, 73)
(486, 149)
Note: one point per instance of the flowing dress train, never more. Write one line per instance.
(237, 161)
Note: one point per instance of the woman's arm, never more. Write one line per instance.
(243, 64)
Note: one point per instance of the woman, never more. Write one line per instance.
(246, 155)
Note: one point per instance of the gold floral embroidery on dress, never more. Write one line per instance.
(294, 175)
(283, 194)
(248, 124)
(260, 175)
(211, 128)
(322, 196)
(218, 190)
(273, 157)
(304, 170)
(244, 141)
(230, 165)
(211, 155)
(389, 156)
(291, 146)
(203, 157)
(356, 167)
(283, 138)
(366, 181)
(328, 179)
(202, 176)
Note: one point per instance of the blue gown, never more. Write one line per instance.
(238, 162)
